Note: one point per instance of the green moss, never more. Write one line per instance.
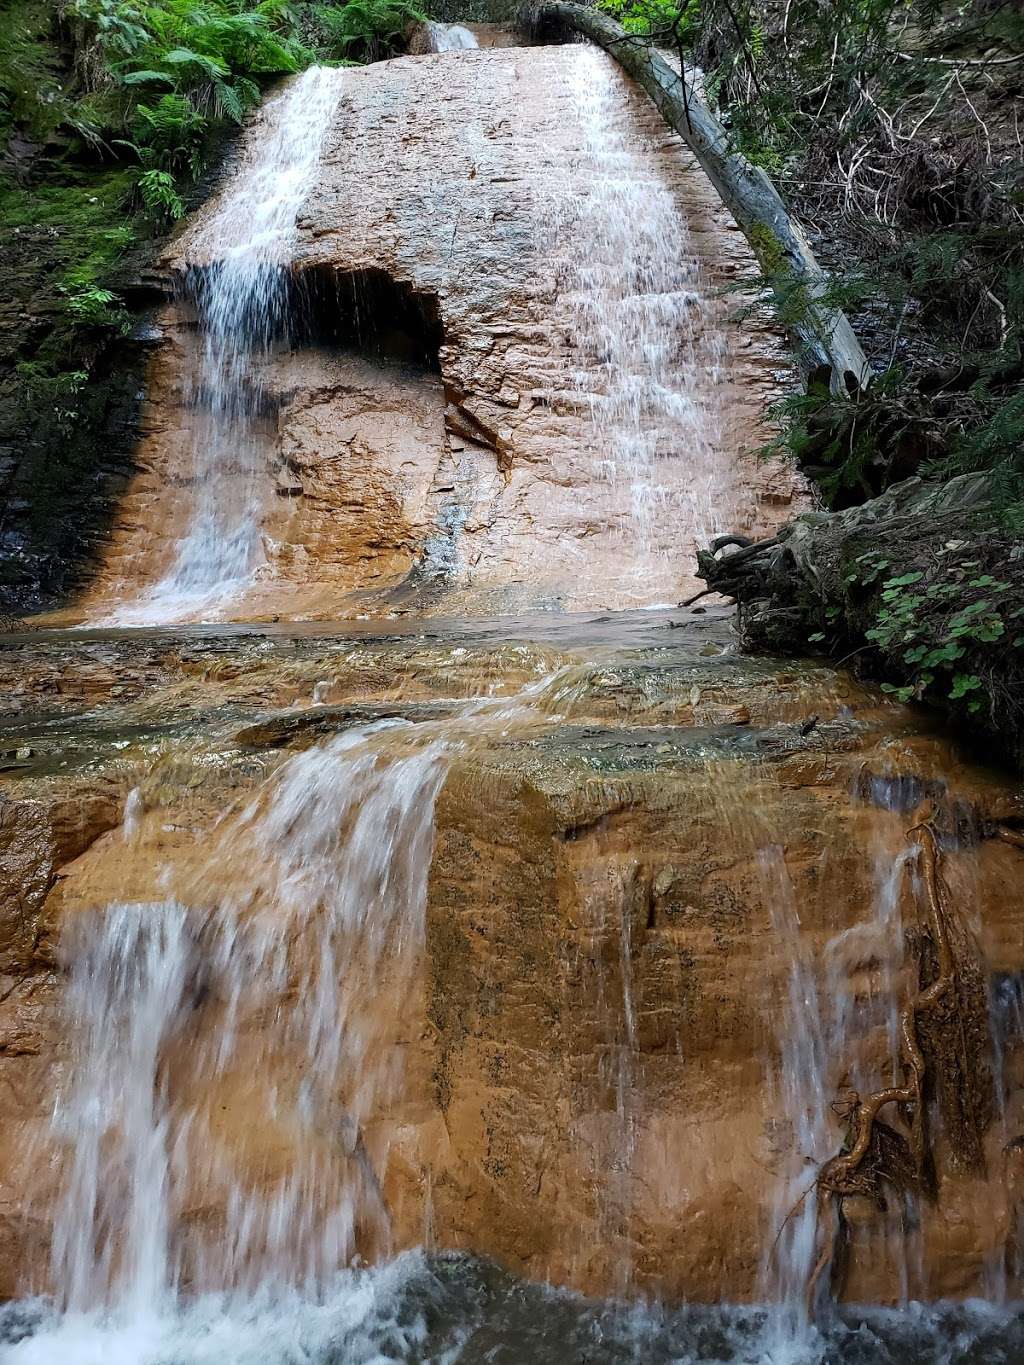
(31, 90)
(767, 248)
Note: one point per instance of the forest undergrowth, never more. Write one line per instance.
(894, 130)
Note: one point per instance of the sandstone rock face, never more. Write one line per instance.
(587, 404)
(596, 1032)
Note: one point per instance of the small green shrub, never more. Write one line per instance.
(656, 18)
(160, 195)
(945, 626)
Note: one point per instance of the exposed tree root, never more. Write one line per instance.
(943, 1051)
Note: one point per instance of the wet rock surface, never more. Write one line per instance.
(593, 1040)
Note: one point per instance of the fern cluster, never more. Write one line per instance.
(110, 111)
(367, 30)
(157, 76)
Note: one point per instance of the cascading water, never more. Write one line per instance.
(450, 37)
(800, 1094)
(130, 974)
(240, 295)
(320, 919)
(1006, 1006)
(821, 1030)
(647, 336)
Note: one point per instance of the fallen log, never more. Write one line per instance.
(826, 347)
(831, 581)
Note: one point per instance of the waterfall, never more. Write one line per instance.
(449, 37)
(240, 295)
(1006, 1009)
(130, 972)
(322, 888)
(263, 1078)
(647, 336)
(316, 919)
(801, 1094)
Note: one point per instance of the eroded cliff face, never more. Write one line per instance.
(497, 190)
(597, 1035)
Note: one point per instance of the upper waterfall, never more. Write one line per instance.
(450, 37)
(454, 337)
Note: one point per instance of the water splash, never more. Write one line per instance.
(240, 293)
(454, 1310)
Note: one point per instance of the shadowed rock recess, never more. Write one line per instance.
(403, 900)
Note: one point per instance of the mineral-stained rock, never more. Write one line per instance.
(592, 1039)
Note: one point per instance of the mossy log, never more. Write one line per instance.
(826, 346)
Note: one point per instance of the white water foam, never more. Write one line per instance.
(450, 37)
(364, 1317)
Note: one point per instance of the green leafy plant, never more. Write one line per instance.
(936, 624)
(169, 70)
(94, 306)
(160, 195)
(656, 18)
(368, 29)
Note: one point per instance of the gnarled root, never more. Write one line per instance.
(933, 1036)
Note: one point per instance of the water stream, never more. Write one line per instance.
(241, 302)
(647, 336)
(450, 37)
